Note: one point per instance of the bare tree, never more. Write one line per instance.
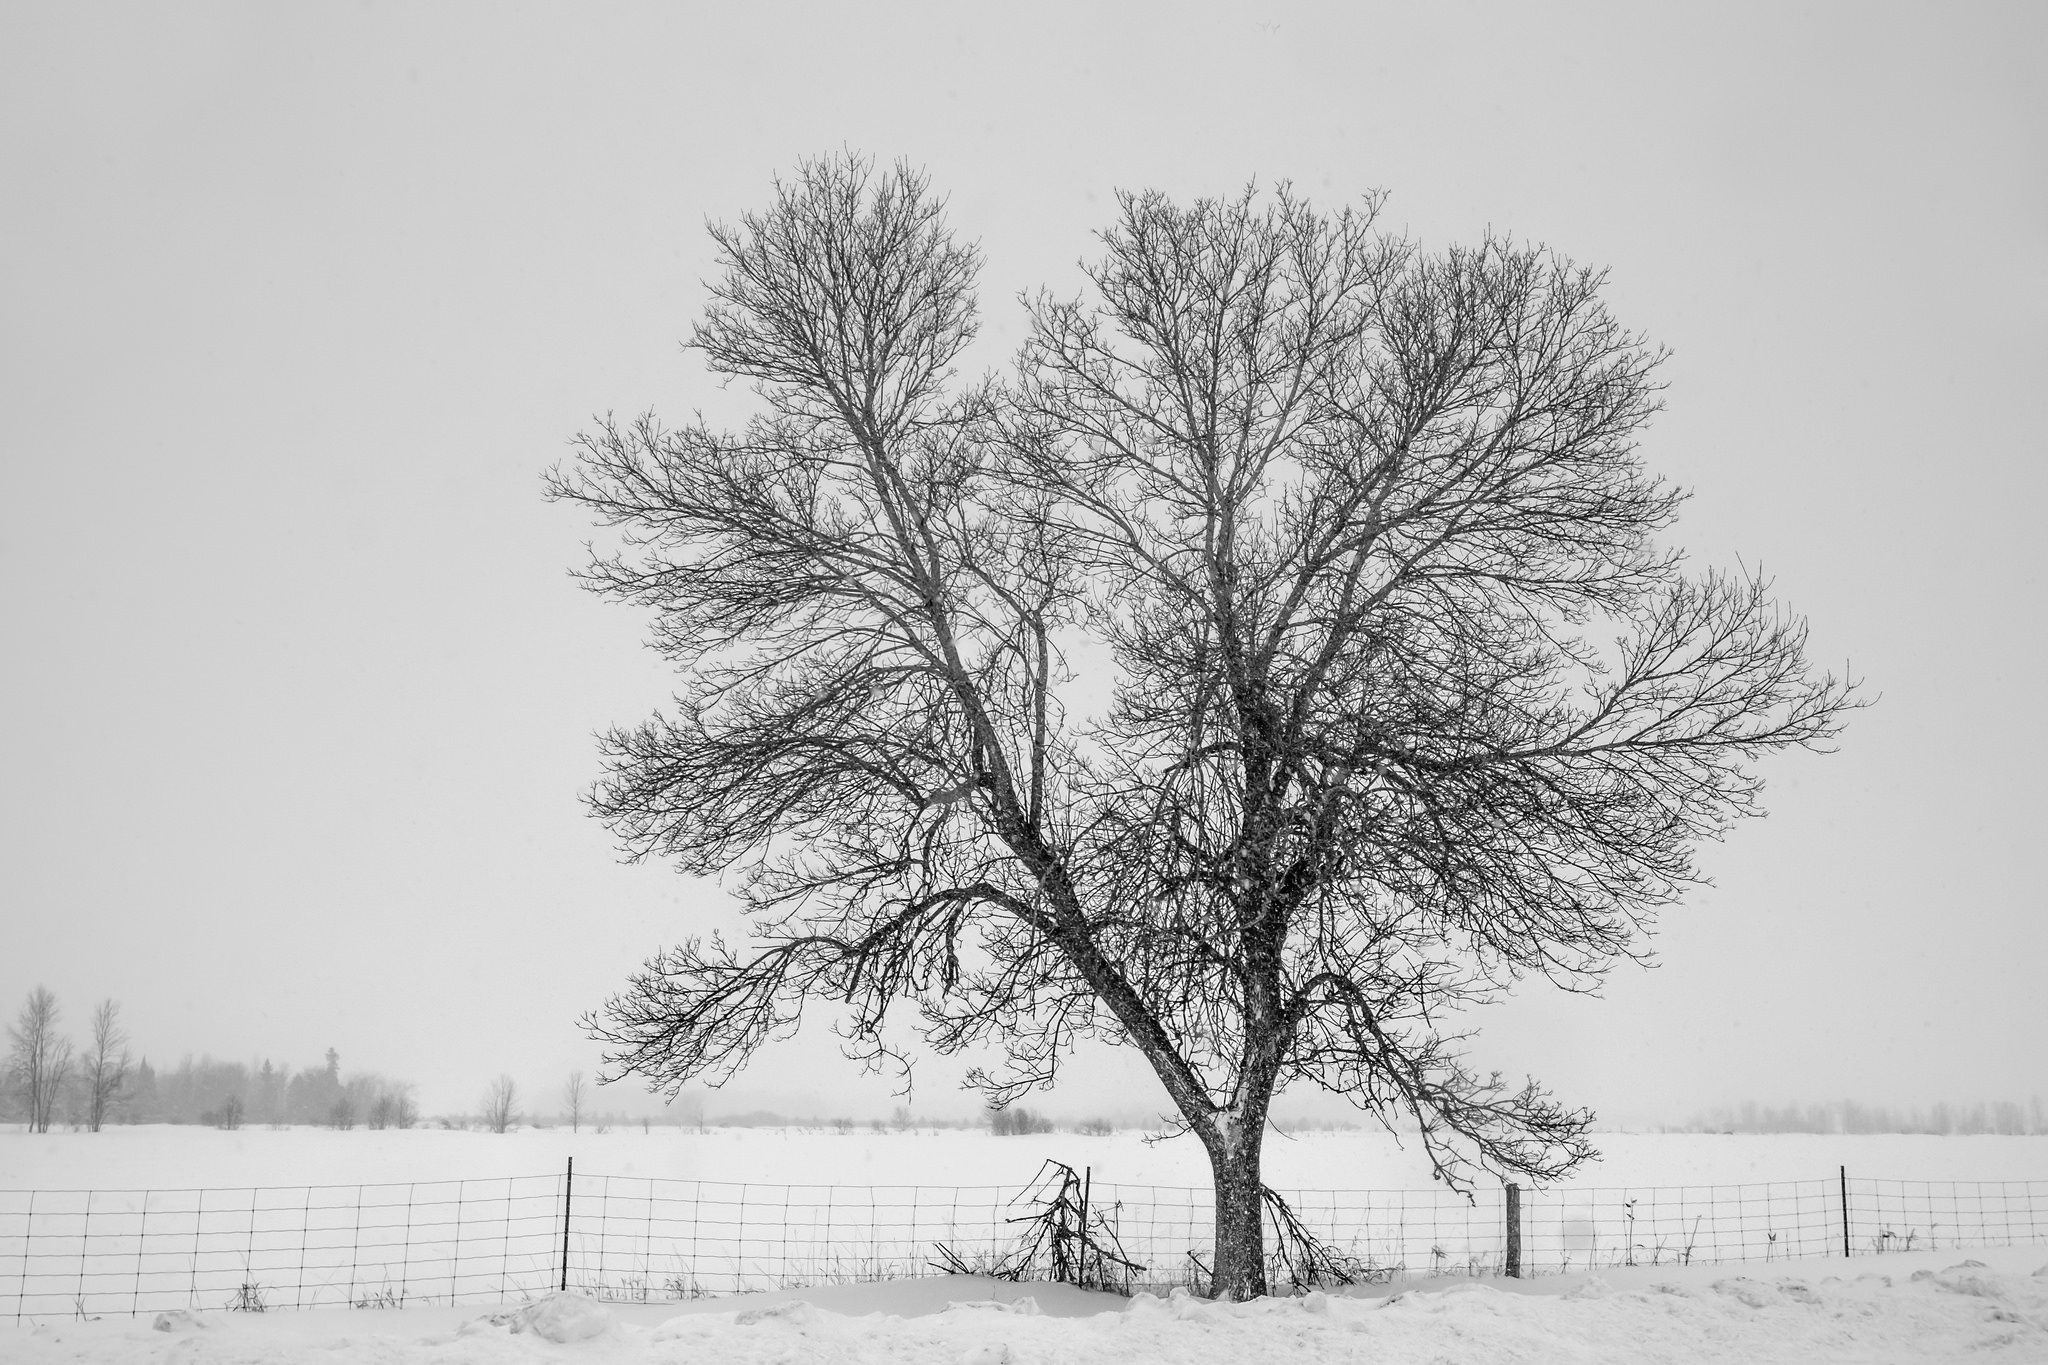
(1405, 702)
(41, 1057)
(229, 1115)
(381, 1101)
(499, 1104)
(106, 1066)
(573, 1095)
(390, 1105)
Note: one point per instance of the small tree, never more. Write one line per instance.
(106, 1066)
(499, 1102)
(389, 1104)
(1407, 703)
(270, 1094)
(40, 1060)
(573, 1095)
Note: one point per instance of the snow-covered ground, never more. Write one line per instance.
(1912, 1308)
(1913, 1305)
(137, 1219)
(175, 1157)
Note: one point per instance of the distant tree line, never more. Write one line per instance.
(1014, 1120)
(232, 1094)
(2007, 1117)
(47, 1080)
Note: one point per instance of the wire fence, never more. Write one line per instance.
(73, 1253)
(86, 1253)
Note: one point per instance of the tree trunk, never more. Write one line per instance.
(1240, 1265)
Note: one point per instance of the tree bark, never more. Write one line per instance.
(1240, 1265)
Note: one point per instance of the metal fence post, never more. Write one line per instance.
(141, 1241)
(1081, 1262)
(1514, 1266)
(455, 1257)
(405, 1255)
(355, 1246)
(192, 1284)
(84, 1241)
(28, 1237)
(249, 1281)
(568, 1193)
(1845, 1212)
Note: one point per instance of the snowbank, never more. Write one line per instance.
(1901, 1308)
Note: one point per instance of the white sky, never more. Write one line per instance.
(296, 302)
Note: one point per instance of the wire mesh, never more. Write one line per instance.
(651, 1238)
(86, 1253)
(66, 1253)
(1594, 1228)
(1930, 1215)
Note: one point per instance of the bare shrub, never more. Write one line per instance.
(1064, 1238)
(390, 1105)
(500, 1099)
(227, 1116)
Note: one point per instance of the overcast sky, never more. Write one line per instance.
(297, 302)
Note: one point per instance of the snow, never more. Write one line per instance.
(555, 1317)
(1910, 1305)
(1916, 1307)
(164, 1156)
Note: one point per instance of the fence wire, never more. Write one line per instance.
(69, 1253)
(86, 1253)
(639, 1238)
(1923, 1215)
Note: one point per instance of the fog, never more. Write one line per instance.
(297, 304)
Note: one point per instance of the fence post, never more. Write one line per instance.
(1845, 1212)
(1514, 1266)
(455, 1257)
(28, 1237)
(1081, 1262)
(568, 1193)
(84, 1240)
(141, 1241)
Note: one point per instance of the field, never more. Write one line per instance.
(141, 1219)
(167, 1157)
(1673, 1247)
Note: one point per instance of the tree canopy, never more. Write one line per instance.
(1280, 659)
